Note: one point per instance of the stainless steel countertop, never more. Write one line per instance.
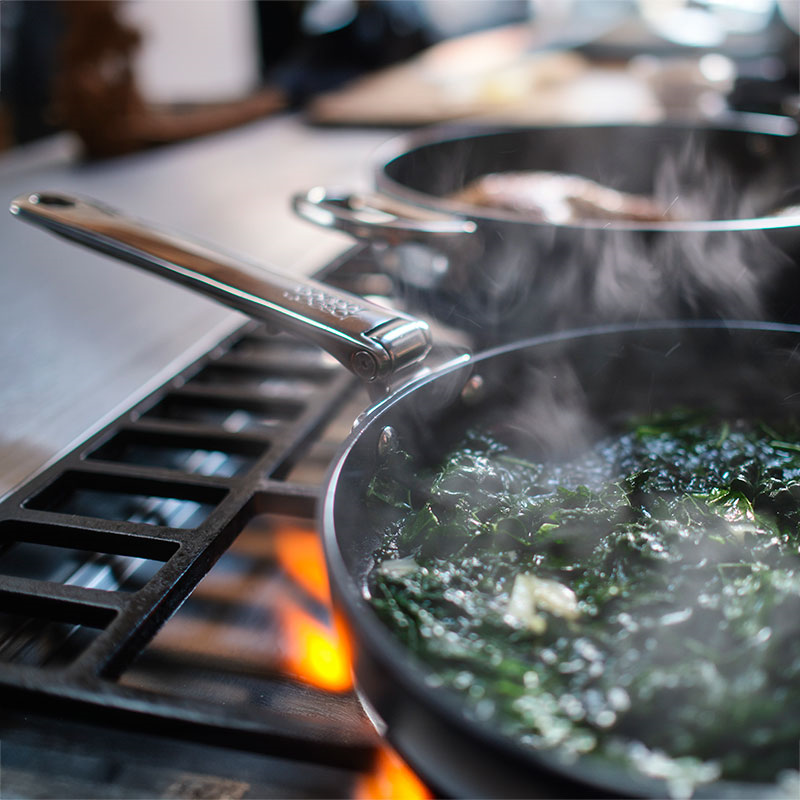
(83, 337)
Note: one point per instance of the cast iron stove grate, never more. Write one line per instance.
(99, 551)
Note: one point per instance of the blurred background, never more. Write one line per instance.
(128, 74)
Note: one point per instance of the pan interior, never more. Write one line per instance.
(551, 400)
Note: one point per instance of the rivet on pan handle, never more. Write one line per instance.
(371, 341)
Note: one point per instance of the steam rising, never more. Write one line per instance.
(522, 278)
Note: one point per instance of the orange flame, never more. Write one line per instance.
(314, 652)
(321, 655)
(299, 551)
(390, 779)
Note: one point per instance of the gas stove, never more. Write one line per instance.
(165, 624)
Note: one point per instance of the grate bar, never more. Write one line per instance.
(312, 364)
(137, 544)
(93, 533)
(289, 499)
(59, 601)
(224, 412)
(184, 485)
(332, 741)
(251, 441)
(243, 393)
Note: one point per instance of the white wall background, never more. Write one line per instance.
(195, 50)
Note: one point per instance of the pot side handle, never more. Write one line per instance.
(373, 342)
(378, 218)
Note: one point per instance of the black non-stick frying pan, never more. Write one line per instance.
(555, 393)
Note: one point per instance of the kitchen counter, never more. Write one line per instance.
(84, 336)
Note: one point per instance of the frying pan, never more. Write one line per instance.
(504, 275)
(554, 392)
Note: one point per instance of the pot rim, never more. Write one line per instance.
(403, 145)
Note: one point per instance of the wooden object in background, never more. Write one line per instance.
(96, 95)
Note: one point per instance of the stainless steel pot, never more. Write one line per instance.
(505, 275)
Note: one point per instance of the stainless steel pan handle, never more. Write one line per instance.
(377, 218)
(371, 341)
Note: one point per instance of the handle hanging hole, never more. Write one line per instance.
(51, 200)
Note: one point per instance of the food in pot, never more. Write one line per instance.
(640, 603)
(560, 198)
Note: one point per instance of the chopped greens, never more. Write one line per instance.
(640, 603)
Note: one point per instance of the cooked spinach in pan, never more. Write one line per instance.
(640, 602)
